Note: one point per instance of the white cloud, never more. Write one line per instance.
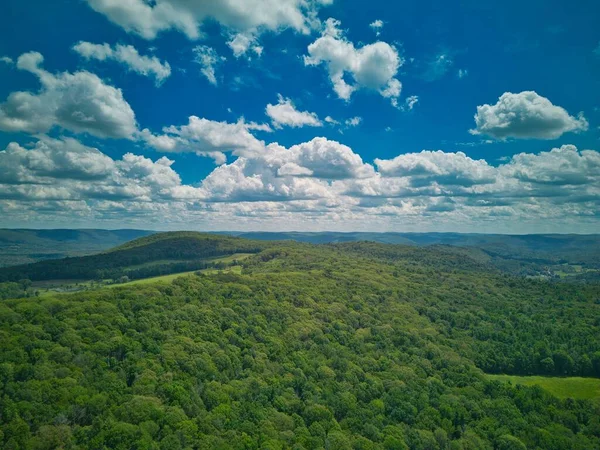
(64, 169)
(128, 55)
(461, 73)
(330, 120)
(312, 185)
(208, 59)
(329, 160)
(284, 113)
(208, 138)
(377, 26)
(411, 101)
(80, 102)
(560, 167)
(7, 60)
(371, 66)
(525, 115)
(302, 172)
(64, 158)
(240, 43)
(149, 19)
(353, 121)
(437, 166)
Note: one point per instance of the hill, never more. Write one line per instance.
(549, 256)
(147, 256)
(567, 256)
(543, 248)
(338, 346)
(21, 246)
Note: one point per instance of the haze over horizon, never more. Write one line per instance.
(301, 115)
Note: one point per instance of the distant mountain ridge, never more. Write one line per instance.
(22, 246)
(540, 248)
(525, 254)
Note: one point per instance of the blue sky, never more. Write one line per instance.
(371, 124)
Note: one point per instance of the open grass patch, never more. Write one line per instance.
(562, 387)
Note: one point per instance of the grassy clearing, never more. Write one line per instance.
(230, 258)
(215, 259)
(172, 276)
(51, 287)
(159, 279)
(567, 387)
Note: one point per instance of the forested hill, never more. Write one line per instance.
(173, 250)
(343, 346)
(546, 248)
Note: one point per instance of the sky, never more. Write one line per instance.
(306, 115)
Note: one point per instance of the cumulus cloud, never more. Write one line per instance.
(315, 183)
(284, 113)
(560, 167)
(148, 19)
(371, 66)
(7, 60)
(208, 59)
(302, 172)
(427, 167)
(64, 158)
(208, 138)
(128, 55)
(79, 102)
(525, 115)
(64, 169)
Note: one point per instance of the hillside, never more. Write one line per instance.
(20, 246)
(147, 256)
(547, 247)
(341, 346)
(550, 256)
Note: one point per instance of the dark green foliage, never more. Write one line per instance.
(311, 347)
(16, 290)
(115, 263)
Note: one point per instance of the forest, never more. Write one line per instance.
(354, 345)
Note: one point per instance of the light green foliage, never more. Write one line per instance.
(564, 387)
(333, 347)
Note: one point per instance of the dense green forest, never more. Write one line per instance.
(339, 346)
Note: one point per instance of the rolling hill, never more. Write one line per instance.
(147, 256)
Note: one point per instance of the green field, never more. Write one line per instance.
(172, 276)
(567, 387)
(72, 285)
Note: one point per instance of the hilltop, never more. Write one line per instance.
(147, 256)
